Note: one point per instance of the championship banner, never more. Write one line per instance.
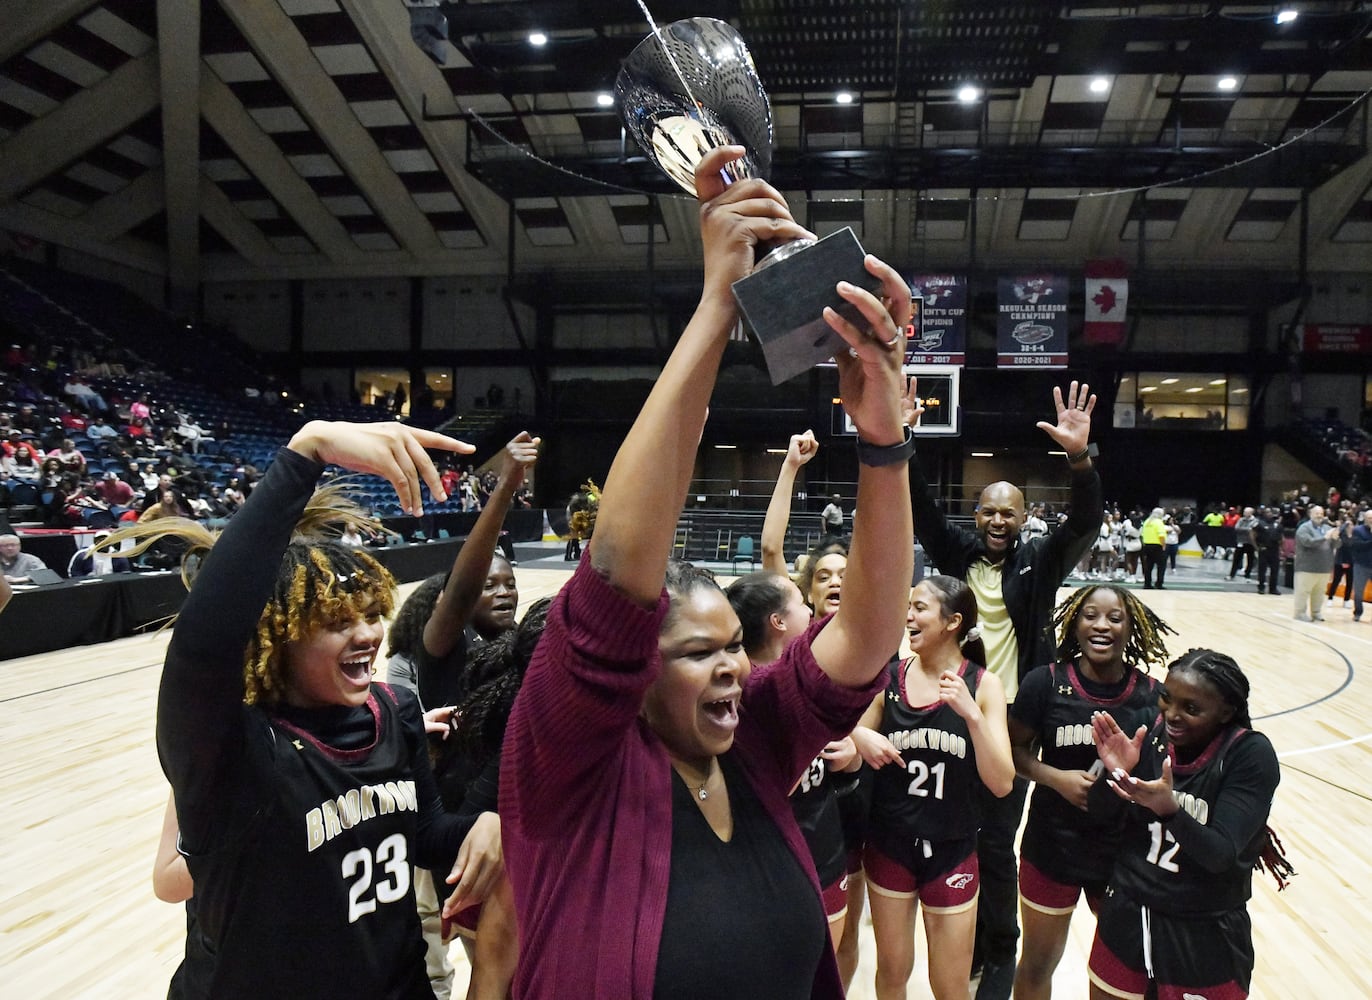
(1107, 299)
(942, 339)
(1031, 325)
(1336, 338)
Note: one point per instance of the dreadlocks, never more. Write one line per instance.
(1228, 679)
(1144, 645)
(320, 581)
(497, 671)
(582, 509)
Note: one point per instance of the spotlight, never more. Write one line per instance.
(1100, 85)
(1287, 16)
(604, 100)
(968, 93)
(1228, 82)
(538, 39)
(843, 97)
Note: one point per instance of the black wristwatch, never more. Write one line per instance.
(886, 454)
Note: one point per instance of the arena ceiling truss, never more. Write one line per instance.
(239, 139)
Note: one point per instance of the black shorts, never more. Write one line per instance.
(854, 806)
(1210, 955)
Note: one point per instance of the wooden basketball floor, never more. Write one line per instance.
(83, 798)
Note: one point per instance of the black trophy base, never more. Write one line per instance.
(784, 303)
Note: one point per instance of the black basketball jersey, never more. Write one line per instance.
(1227, 790)
(1056, 702)
(331, 849)
(814, 804)
(937, 795)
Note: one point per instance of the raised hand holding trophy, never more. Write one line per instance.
(692, 86)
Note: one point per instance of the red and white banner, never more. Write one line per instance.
(1107, 299)
(1336, 338)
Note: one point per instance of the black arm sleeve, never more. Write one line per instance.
(941, 539)
(1238, 814)
(440, 833)
(200, 717)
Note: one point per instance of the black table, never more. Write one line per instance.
(97, 609)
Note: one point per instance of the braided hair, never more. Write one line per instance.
(406, 634)
(318, 583)
(1228, 679)
(582, 508)
(1144, 644)
(497, 670)
(319, 580)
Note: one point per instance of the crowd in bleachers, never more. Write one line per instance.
(1350, 446)
(106, 404)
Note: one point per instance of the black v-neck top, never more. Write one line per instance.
(743, 919)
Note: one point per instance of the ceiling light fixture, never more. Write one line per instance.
(537, 39)
(983, 454)
(1287, 16)
(1170, 381)
(843, 97)
(967, 93)
(1228, 82)
(1100, 85)
(604, 100)
(1218, 381)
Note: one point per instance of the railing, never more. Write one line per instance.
(1157, 131)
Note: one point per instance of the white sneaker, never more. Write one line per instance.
(1319, 618)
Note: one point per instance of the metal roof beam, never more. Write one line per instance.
(284, 51)
(90, 118)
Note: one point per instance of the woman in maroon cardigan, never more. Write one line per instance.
(647, 834)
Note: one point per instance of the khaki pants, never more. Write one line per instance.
(1309, 590)
(430, 918)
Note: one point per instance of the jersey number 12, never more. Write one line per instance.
(1156, 854)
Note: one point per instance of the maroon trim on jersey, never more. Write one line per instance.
(905, 668)
(1075, 679)
(1219, 744)
(333, 753)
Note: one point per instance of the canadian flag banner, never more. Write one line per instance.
(1107, 299)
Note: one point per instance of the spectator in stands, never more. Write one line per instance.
(140, 411)
(114, 492)
(16, 565)
(102, 434)
(70, 456)
(20, 466)
(86, 397)
(50, 472)
(169, 504)
(19, 442)
(70, 420)
(147, 478)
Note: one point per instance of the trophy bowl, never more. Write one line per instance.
(692, 86)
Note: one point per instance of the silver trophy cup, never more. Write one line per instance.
(691, 87)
